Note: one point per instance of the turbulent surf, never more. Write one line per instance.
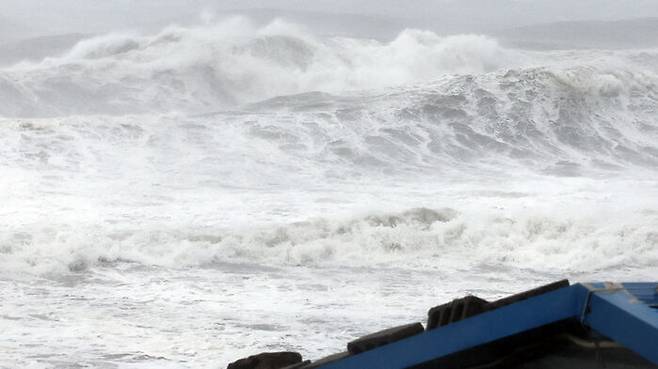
(236, 163)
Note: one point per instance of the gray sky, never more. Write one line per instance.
(39, 17)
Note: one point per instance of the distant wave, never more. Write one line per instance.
(577, 118)
(111, 151)
(419, 101)
(232, 62)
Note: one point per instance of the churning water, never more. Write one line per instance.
(183, 199)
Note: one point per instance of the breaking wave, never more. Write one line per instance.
(232, 62)
(139, 129)
(418, 101)
(422, 238)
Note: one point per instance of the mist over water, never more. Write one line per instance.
(185, 197)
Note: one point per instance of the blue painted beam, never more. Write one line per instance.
(625, 318)
(645, 292)
(551, 307)
(622, 315)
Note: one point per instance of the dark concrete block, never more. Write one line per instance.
(327, 360)
(267, 360)
(301, 365)
(469, 306)
(527, 294)
(455, 311)
(384, 337)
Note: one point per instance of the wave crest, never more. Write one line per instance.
(229, 63)
(421, 237)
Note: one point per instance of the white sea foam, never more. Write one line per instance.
(228, 63)
(506, 229)
(232, 62)
(327, 178)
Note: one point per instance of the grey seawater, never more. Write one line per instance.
(166, 244)
(184, 199)
(313, 286)
(133, 316)
(145, 317)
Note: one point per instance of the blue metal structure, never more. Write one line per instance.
(625, 313)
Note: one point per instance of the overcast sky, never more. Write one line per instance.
(36, 17)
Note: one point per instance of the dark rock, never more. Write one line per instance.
(267, 360)
(384, 337)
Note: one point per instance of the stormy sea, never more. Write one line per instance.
(185, 197)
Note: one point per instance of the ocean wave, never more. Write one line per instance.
(289, 114)
(229, 63)
(419, 238)
(420, 102)
(233, 62)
